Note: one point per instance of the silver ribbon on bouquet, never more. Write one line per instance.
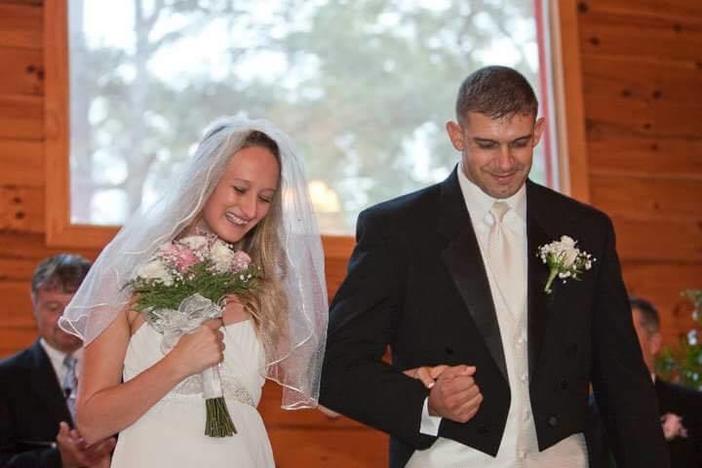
(192, 312)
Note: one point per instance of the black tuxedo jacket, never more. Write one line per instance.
(31, 406)
(416, 282)
(686, 403)
(685, 452)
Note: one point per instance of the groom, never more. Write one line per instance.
(449, 279)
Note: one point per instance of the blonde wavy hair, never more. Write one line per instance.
(267, 305)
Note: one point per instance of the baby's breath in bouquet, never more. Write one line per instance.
(185, 284)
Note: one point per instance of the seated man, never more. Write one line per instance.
(680, 408)
(38, 385)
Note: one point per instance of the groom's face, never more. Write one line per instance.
(497, 152)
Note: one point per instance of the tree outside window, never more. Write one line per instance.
(363, 87)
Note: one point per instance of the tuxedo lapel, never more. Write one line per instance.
(465, 264)
(46, 386)
(539, 303)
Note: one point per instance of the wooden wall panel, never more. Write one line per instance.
(657, 8)
(21, 117)
(647, 119)
(648, 197)
(664, 282)
(20, 25)
(612, 152)
(22, 71)
(657, 240)
(647, 81)
(21, 163)
(642, 88)
(635, 36)
(13, 338)
(17, 304)
(21, 209)
(309, 438)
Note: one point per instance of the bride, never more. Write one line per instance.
(246, 186)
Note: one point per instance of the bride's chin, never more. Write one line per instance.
(231, 233)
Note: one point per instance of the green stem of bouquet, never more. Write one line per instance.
(219, 423)
(551, 276)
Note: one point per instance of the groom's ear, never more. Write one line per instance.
(455, 133)
(539, 127)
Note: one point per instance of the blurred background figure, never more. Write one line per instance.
(680, 407)
(38, 385)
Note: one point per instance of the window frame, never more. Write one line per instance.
(561, 37)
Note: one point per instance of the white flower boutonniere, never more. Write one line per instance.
(564, 261)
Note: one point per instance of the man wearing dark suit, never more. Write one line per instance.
(38, 385)
(680, 407)
(449, 278)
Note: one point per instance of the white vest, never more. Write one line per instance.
(519, 447)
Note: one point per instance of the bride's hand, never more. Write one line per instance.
(200, 349)
(427, 374)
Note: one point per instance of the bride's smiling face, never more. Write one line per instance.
(244, 193)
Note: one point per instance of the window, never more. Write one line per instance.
(363, 87)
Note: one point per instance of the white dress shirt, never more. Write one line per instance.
(56, 357)
(518, 447)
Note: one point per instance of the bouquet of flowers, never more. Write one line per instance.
(183, 285)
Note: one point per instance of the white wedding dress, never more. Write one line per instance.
(171, 433)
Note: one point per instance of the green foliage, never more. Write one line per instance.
(683, 364)
(153, 294)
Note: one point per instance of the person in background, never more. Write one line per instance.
(38, 384)
(680, 407)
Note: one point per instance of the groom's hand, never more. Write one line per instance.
(455, 395)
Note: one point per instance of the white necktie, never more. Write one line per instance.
(502, 255)
(70, 384)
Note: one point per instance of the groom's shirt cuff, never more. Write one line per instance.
(430, 424)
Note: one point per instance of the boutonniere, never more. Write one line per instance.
(564, 261)
(673, 426)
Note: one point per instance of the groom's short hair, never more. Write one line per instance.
(497, 92)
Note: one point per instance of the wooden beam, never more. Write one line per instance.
(572, 147)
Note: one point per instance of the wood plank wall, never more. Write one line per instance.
(642, 84)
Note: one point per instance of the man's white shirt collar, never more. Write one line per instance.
(56, 357)
(480, 203)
